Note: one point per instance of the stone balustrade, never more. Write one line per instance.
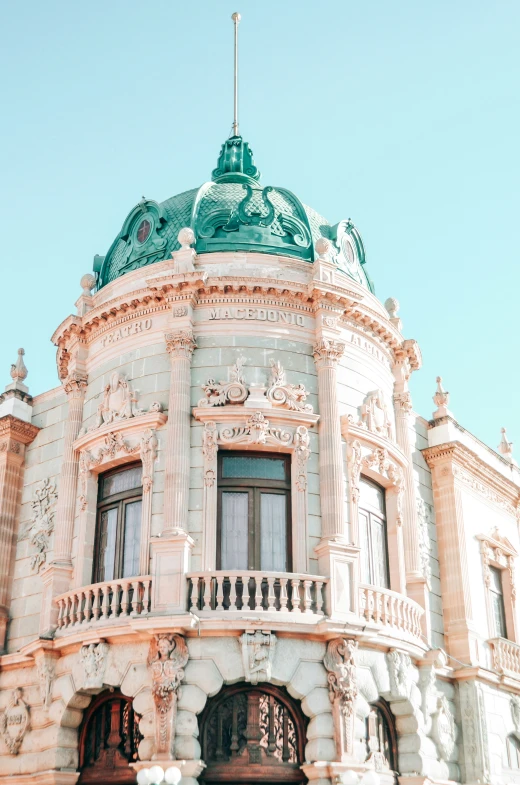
(505, 656)
(390, 609)
(256, 592)
(102, 602)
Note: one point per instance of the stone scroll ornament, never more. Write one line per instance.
(167, 659)
(280, 393)
(257, 430)
(340, 662)
(14, 722)
(41, 525)
(232, 391)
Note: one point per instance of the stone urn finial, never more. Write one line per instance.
(505, 448)
(392, 306)
(18, 370)
(87, 283)
(323, 248)
(186, 238)
(441, 400)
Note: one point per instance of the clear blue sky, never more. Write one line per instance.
(401, 115)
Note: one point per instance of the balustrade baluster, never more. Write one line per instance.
(79, 606)
(219, 593)
(233, 593)
(88, 605)
(105, 589)
(61, 603)
(125, 599)
(96, 605)
(195, 602)
(319, 597)
(206, 582)
(258, 593)
(115, 606)
(136, 598)
(283, 594)
(146, 596)
(295, 595)
(271, 596)
(307, 598)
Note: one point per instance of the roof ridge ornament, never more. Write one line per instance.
(505, 448)
(441, 400)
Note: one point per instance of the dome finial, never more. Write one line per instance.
(236, 19)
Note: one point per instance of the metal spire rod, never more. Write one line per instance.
(236, 19)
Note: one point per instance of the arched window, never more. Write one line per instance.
(108, 741)
(513, 752)
(252, 734)
(118, 529)
(372, 535)
(381, 737)
(253, 512)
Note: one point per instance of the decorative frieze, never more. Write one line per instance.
(340, 663)
(14, 721)
(257, 655)
(135, 327)
(41, 525)
(167, 659)
(257, 314)
(94, 661)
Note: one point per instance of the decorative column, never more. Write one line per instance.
(57, 576)
(16, 432)
(326, 354)
(180, 347)
(416, 580)
(14, 436)
(171, 552)
(336, 557)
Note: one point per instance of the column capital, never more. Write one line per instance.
(180, 344)
(327, 352)
(14, 433)
(75, 384)
(403, 401)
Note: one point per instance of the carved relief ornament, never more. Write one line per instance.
(399, 666)
(257, 430)
(167, 659)
(148, 454)
(257, 655)
(14, 721)
(113, 444)
(374, 415)
(280, 393)
(75, 384)
(444, 730)
(94, 661)
(340, 663)
(232, 391)
(119, 403)
(41, 525)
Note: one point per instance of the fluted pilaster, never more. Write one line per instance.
(75, 386)
(180, 347)
(326, 354)
(402, 408)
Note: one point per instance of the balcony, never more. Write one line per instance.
(505, 657)
(107, 603)
(396, 614)
(250, 593)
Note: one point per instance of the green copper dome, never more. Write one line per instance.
(232, 212)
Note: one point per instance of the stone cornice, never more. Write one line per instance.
(129, 427)
(239, 414)
(474, 472)
(18, 430)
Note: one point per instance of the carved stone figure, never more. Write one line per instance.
(374, 415)
(94, 661)
(399, 664)
(232, 391)
(515, 711)
(167, 658)
(41, 525)
(14, 722)
(444, 730)
(354, 468)
(46, 669)
(148, 453)
(119, 402)
(340, 662)
(257, 655)
(280, 393)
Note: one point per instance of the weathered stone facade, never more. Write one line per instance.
(169, 367)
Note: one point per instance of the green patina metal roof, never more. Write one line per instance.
(232, 212)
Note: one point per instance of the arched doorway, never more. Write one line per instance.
(252, 735)
(108, 741)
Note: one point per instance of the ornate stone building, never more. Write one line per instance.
(228, 543)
